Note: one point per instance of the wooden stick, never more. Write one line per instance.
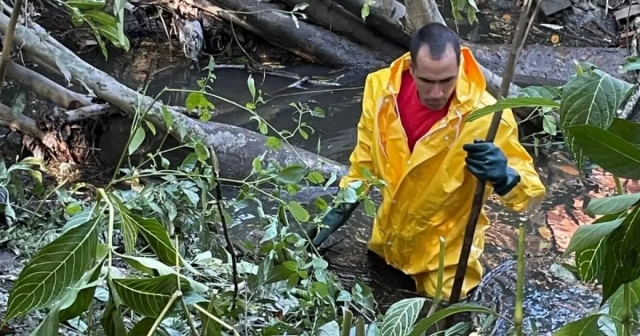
(8, 41)
(476, 208)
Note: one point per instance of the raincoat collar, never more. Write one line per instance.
(470, 86)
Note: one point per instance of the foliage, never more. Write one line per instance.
(102, 24)
(606, 251)
(159, 250)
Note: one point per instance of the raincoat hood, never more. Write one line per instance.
(470, 85)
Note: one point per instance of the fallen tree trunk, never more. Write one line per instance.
(271, 24)
(340, 21)
(233, 145)
(558, 62)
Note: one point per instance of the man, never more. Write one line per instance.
(412, 134)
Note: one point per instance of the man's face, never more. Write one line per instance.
(435, 79)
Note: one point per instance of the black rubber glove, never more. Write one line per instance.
(488, 164)
(334, 219)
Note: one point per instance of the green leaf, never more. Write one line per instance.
(291, 174)
(156, 235)
(590, 262)
(616, 304)
(273, 143)
(201, 152)
(626, 129)
(137, 140)
(423, 325)
(548, 92)
(622, 257)
(369, 207)
(252, 87)
(590, 99)
(101, 18)
(54, 268)
(143, 326)
(589, 236)
(79, 218)
(315, 177)
(112, 321)
(608, 151)
(511, 103)
(587, 326)
(149, 266)
(401, 316)
(148, 297)
(49, 326)
(167, 116)
(612, 204)
(299, 212)
(79, 296)
(549, 124)
(129, 226)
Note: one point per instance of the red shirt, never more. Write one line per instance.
(416, 118)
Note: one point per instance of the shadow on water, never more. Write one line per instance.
(553, 296)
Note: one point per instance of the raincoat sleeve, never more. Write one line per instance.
(361, 155)
(530, 192)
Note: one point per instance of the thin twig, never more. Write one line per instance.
(8, 41)
(225, 230)
(215, 318)
(164, 311)
(476, 208)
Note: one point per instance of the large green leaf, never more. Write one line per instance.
(587, 326)
(53, 269)
(616, 304)
(622, 257)
(589, 236)
(112, 321)
(156, 235)
(545, 91)
(626, 129)
(150, 266)
(611, 205)
(421, 327)
(79, 296)
(590, 262)
(50, 325)
(148, 297)
(608, 150)
(401, 316)
(590, 99)
(128, 224)
(511, 103)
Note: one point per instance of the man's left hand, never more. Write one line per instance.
(488, 164)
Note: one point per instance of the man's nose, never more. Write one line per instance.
(436, 92)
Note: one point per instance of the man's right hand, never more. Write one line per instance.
(333, 220)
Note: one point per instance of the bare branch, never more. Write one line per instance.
(8, 42)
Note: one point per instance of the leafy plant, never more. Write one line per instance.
(606, 251)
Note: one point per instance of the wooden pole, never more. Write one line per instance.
(518, 41)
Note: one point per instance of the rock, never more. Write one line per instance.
(551, 7)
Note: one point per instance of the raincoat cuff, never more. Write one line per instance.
(508, 184)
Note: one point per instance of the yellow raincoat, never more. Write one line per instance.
(428, 193)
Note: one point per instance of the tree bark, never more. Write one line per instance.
(338, 20)
(271, 24)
